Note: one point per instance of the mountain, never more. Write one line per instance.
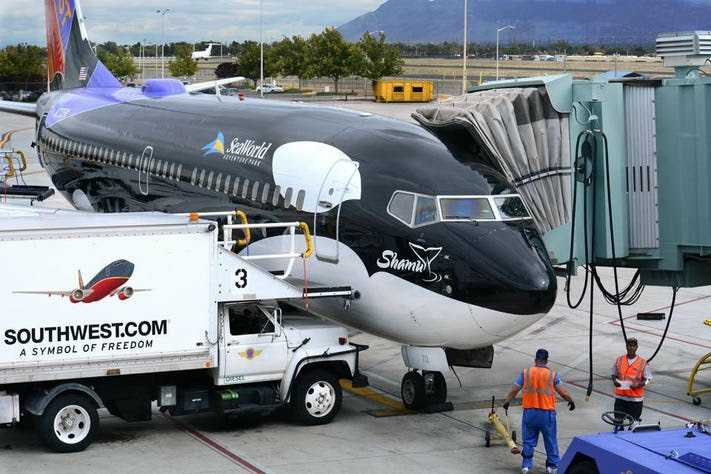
(575, 21)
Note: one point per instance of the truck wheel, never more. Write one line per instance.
(318, 398)
(69, 423)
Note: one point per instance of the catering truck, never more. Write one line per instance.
(119, 311)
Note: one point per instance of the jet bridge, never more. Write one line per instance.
(621, 164)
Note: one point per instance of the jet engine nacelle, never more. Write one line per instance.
(79, 295)
(125, 293)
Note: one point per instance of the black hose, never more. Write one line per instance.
(612, 233)
(572, 233)
(664, 336)
(591, 263)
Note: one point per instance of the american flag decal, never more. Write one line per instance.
(82, 73)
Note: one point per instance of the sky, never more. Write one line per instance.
(129, 21)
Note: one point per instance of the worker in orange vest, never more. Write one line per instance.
(630, 375)
(539, 385)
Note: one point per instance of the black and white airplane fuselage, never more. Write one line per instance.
(370, 187)
(440, 247)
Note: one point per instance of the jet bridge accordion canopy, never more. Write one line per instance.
(524, 138)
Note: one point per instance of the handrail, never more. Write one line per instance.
(228, 243)
(11, 167)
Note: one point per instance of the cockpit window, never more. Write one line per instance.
(417, 210)
(426, 210)
(511, 207)
(401, 206)
(466, 208)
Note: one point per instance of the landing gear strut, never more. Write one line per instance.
(426, 391)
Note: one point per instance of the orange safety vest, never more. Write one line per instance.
(539, 388)
(633, 373)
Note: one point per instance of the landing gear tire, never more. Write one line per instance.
(696, 401)
(412, 391)
(69, 423)
(317, 399)
(435, 388)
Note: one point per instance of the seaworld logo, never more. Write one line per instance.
(425, 257)
(239, 151)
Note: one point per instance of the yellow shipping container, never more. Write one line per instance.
(394, 90)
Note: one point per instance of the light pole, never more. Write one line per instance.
(464, 58)
(261, 49)
(499, 30)
(162, 13)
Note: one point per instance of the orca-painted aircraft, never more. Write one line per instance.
(441, 248)
(109, 281)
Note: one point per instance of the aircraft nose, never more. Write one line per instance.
(508, 270)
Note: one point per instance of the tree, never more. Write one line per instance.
(23, 63)
(184, 65)
(290, 58)
(378, 58)
(249, 59)
(119, 63)
(330, 56)
(225, 70)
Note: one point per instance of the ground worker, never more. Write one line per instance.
(539, 385)
(630, 374)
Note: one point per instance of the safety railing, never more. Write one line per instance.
(230, 243)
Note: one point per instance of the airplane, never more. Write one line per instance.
(441, 248)
(109, 282)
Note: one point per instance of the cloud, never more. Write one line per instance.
(127, 21)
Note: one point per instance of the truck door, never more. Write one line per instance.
(255, 345)
(341, 180)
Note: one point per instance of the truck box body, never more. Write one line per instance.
(136, 308)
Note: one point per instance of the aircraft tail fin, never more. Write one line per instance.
(81, 280)
(71, 62)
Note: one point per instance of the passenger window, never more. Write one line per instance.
(218, 182)
(255, 191)
(401, 206)
(227, 184)
(193, 177)
(209, 180)
(165, 168)
(300, 200)
(249, 320)
(425, 211)
(277, 194)
(265, 193)
(172, 171)
(245, 188)
(155, 166)
(179, 173)
(235, 187)
(287, 198)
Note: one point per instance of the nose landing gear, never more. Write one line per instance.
(425, 391)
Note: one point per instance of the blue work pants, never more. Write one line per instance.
(537, 421)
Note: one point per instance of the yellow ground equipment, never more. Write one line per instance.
(502, 431)
(703, 364)
(395, 90)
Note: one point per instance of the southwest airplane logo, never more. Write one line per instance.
(109, 281)
(216, 147)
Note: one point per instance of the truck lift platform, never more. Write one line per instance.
(680, 451)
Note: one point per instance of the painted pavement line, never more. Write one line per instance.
(215, 446)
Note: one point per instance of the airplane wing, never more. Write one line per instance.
(48, 293)
(18, 108)
(203, 86)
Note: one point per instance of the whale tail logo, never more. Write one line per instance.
(427, 256)
(216, 147)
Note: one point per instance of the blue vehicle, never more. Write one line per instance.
(640, 450)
